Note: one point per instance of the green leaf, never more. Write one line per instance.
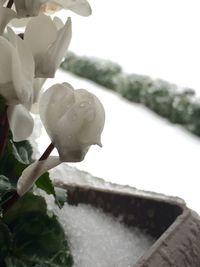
(24, 151)
(61, 196)
(39, 241)
(5, 241)
(11, 165)
(14, 262)
(5, 191)
(45, 183)
(27, 203)
(5, 184)
(5, 199)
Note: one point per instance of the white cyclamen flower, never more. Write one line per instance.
(37, 91)
(29, 8)
(16, 84)
(48, 44)
(74, 120)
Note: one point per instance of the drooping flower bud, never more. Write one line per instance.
(73, 119)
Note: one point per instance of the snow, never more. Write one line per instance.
(100, 240)
(140, 149)
(97, 238)
(155, 38)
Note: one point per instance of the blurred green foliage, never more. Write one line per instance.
(177, 105)
(99, 71)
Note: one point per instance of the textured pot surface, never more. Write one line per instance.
(175, 227)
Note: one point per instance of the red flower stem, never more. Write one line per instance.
(13, 199)
(10, 202)
(3, 138)
(47, 152)
(2, 119)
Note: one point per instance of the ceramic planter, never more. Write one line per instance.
(175, 227)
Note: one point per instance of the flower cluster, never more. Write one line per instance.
(73, 118)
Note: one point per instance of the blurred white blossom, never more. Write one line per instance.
(48, 42)
(16, 83)
(30, 8)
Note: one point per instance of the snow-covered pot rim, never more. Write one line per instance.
(175, 227)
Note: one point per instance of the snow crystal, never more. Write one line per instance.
(65, 175)
(100, 240)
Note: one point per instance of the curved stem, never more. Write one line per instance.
(10, 202)
(47, 152)
(10, 3)
(3, 138)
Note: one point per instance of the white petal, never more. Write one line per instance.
(20, 121)
(2, 2)
(35, 108)
(58, 49)
(5, 59)
(74, 120)
(58, 22)
(6, 15)
(28, 8)
(37, 87)
(33, 172)
(19, 23)
(83, 123)
(40, 33)
(53, 104)
(94, 121)
(85, 119)
(37, 90)
(56, 103)
(81, 7)
(22, 69)
(8, 92)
